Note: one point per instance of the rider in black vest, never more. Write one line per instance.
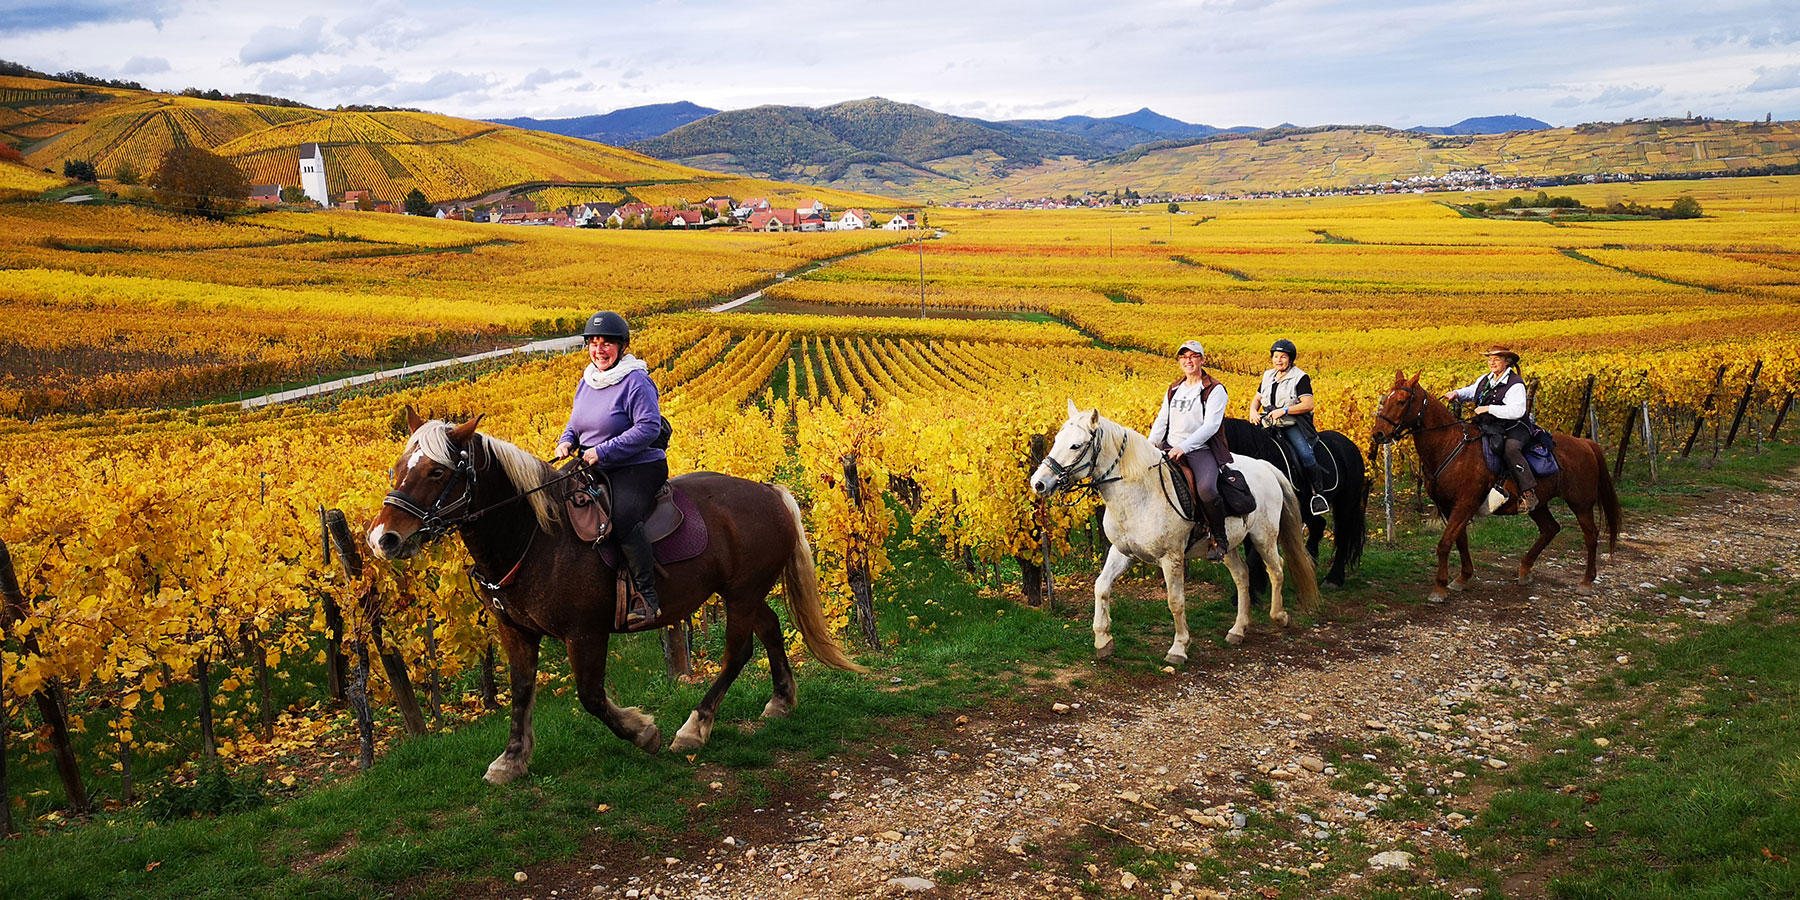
(1284, 404)
(1501, 412)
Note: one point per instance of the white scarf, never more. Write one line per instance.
(598, 378)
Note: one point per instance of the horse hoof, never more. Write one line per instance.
(1586, 589)
(1437, 596)
(1281, 620)
(1234, 638)
(777, 709)
(503, 771)
(1104, 652)
(1524, 578)
(1175, 659)
(1459, 585)
(650, 740)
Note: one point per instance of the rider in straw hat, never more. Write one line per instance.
(1187, 430)
(1500, 413)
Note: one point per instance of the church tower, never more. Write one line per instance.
(312, 173)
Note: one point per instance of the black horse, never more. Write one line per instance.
(1346, 489)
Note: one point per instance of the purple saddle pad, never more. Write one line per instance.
(685, 542)
(1540, 455)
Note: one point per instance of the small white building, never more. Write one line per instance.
(853, 219)
(901, 222)
(312, 174)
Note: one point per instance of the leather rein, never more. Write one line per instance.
(1087, 460)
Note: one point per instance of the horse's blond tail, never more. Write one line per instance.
(802, 588)
(1293, 550)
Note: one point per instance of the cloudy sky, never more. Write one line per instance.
(1220, 62)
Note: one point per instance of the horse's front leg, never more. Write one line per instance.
(1174, 570)
(1455, 529)
(1116, 564)
(1468, 564)
(522, 664)
(587, 660)
(1240, 576)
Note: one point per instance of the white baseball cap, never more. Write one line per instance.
(1190, 345)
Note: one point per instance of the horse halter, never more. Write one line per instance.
(1087, 459)
(437, 521)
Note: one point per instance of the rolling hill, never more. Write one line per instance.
(1339, 156)
(1487, 125)
(621, 126)
(386, 152)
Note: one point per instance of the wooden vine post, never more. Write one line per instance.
(335, 663)
(1624, 442)
(1743, 403)
(1705, 407)
(1781, 416)
(356, 682)
(1649, 438)
(48, 698)
(1587, 404)
(856, 564)
(1042, 517)
(1387, 489)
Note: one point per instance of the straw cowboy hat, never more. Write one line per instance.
(1512, 359)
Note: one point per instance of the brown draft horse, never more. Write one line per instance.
(1458, 479)
(552, 584)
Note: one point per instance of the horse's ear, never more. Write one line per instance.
(1415, 379)
(462, 433)
(1072, 409)
(412, 419)
(1399, 378)
(1093, 419)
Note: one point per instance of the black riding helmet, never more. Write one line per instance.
(608, 324)
(1285, 346)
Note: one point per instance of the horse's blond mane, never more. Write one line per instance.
(1136, 454)
(526, 472)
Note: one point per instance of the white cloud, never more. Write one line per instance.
(544, 76)
(144, 65)
(275, 43)
(1778, 79)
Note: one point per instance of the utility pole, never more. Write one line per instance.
(921, 274)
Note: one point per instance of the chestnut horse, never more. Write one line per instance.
(551, 584)
(1458, 479)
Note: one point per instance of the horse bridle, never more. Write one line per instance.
(1417, 426)
(441, 517)
(1086, 459)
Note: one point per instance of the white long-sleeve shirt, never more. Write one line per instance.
(1188, 419)
(1511, 404)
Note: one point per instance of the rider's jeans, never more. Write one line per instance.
(1302, 447)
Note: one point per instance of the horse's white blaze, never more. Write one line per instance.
(375, 540)
(1142, 524)
(417, 457)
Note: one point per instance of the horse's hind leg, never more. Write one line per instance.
(1240, 576)
(739, 644)
(1547, 529)
(1269, 546)
(781, 674)
(1174, 570)
(1116, 564)
(587, 658)
(1590, 535)
(522, 664)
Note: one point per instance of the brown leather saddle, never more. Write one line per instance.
(589, 507)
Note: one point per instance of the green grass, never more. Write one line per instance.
(1698, 794)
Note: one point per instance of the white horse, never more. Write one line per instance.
(1142, 522)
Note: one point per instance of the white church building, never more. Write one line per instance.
(312, 174)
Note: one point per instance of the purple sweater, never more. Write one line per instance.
(619, 421)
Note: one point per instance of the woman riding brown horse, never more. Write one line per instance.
(1458, 479)
(547, 582)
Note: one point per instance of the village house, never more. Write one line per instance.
(901, 222)
(265, 193)
(774, 220)
(721, 205)
(355, 199)
(527, 218)
(813, 206)
(686, 218)
(853, 219)
(809, 219)
(312, 174)
(750, 208)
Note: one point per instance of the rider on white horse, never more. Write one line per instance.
(1187, 430)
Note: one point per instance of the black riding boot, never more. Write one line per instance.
(1215, 522)
(640, 559)
(1320, 505)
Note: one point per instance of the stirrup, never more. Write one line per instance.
(1320, 505)
(639, 614)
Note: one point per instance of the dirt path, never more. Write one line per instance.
(1233, 746)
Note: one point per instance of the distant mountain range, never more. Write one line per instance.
(622, 126)
(1487, 125)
